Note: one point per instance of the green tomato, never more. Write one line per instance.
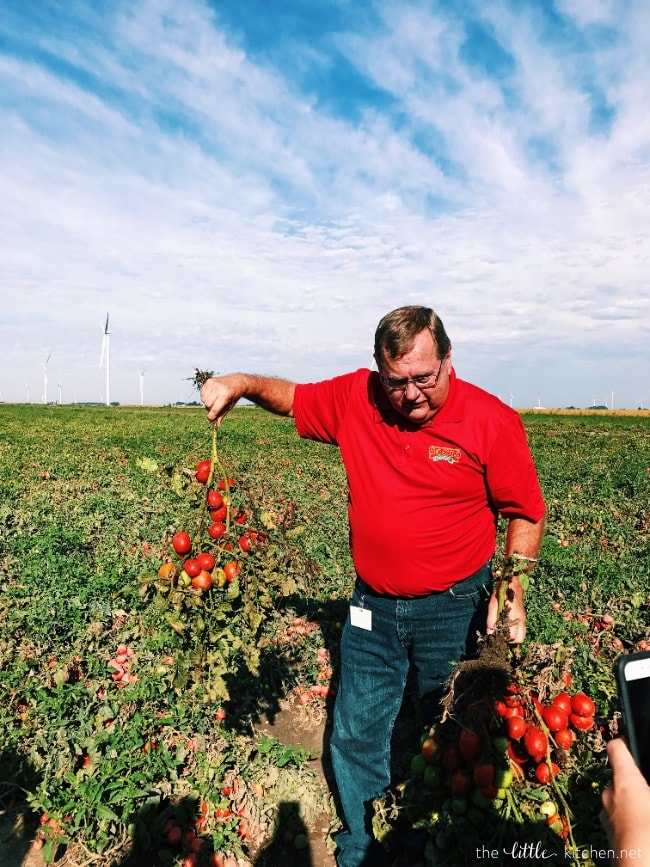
(418, 764)
(432, 777)
(459, 806)
(480, 800)
(503, 778)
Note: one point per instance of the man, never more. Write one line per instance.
(431, 462)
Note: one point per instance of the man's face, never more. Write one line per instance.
(417, 404)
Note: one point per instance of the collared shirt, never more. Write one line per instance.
(423, 499)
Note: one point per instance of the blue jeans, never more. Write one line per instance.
(433, 633)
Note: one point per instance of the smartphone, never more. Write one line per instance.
(633, 681)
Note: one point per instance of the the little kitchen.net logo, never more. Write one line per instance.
(536, 853)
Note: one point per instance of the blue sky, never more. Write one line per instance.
(252, 184)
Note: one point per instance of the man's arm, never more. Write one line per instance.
(220, 393)
(523, 541)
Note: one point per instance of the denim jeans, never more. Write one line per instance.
(433, 633)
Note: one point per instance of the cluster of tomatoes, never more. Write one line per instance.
(121, 666)
(201, 569)
(521, 743)
(195, 847)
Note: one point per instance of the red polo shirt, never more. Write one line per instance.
(423, 500)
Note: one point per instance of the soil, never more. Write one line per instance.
(298, 726)
(17, 847)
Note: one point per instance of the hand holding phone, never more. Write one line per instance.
(633, 680)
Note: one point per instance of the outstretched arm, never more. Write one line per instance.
(220, 393)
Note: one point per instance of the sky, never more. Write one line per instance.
(252, 184)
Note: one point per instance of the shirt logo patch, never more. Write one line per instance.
(441, 453)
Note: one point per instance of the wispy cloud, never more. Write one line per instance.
(246, 195)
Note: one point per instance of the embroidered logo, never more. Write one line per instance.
(441, 453)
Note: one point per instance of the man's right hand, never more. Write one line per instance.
(220, 393)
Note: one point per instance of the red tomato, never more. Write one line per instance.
(219, 514)
(222, 484)
(469, 745)
(461, 783)
(563, 701)
(203, 471)
(555, 718)
(564, 738)
(203, 581)
(535, 743)
(582, 723)
(429, 748)
(206, 561)
(215, 500)
(514, 711)
(174, 835)
(245, 543)
(240, 516)
(483, 775)
(232, 570)
(582, 705)
(181, 542)
(452, 759)
(543, 773)
(192, 567)
(216, 529)
(516, 726)
(517, 752)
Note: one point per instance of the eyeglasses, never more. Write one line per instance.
(422, 382)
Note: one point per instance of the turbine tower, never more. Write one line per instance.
(45, 378)
(106, 355)
(142, 373)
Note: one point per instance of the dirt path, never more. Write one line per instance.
(295, 726)
(17, 848)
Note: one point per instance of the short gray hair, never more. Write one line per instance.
(397, 330)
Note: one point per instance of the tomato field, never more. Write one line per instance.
(164, 591)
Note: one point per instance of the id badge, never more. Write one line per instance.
(361, 617)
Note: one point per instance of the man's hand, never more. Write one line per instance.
(220, 393)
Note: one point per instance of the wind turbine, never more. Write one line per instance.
(142, 373)
(106, 354)
(60, 387)
(45, 377)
